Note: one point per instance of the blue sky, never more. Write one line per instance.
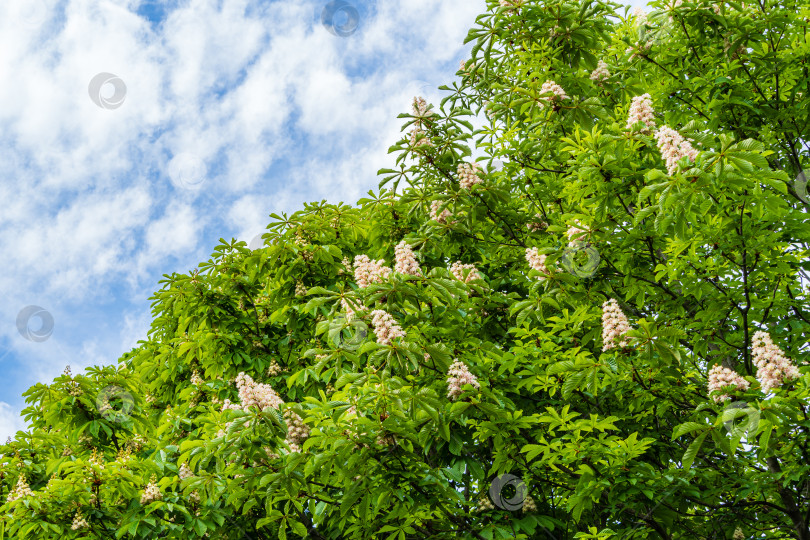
(224, 111)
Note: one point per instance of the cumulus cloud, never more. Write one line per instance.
(10, 421)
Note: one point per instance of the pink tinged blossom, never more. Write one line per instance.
(601, 72)
(725, 380)
(252, 393)
(406, 262)
(641, 110)
(673, 148)
(614, 326)
(420, 108)
(773, 367)
(419, 138)
(367, 271)
(385, 327)
(347, 309)
(465, 272)
(297, 430)
(557, 93)
(640, 16)
(536, 261)
(512, 6)
(538, 224)
(468, 174)
(576, 233)
(435, 215)
(457, 376)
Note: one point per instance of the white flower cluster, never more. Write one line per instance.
(614, 326)
(20, 491)
(151, 493)
(406, 262)
(640, 16)
(348, 309)
(738, 534)
(252, 393)
(721, 378)
(537, 261)
(436, 216)
(274, 369)
(468, 175)
(73, 386)
(300, 289)
(297, 430)
(673, 147)
(302, 242)
(196, 380)
(386, 440)
(136, 443)
(576, 234)
(185, 472)
(457, 376)
(601, 72)
(465, 272)
(123, 455)
(79, 522)
(385, 327)
(557, 92)
(773, 367)
(367, 271)
(511, 5)
(419, 138)
(641, 110)
(484, 504)
(538, 224)
(97, 459)
(419, 109)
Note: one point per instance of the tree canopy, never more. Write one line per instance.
(575, 308)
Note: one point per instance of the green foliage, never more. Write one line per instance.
(620, 442)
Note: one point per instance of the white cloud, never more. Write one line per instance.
(10, 422)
